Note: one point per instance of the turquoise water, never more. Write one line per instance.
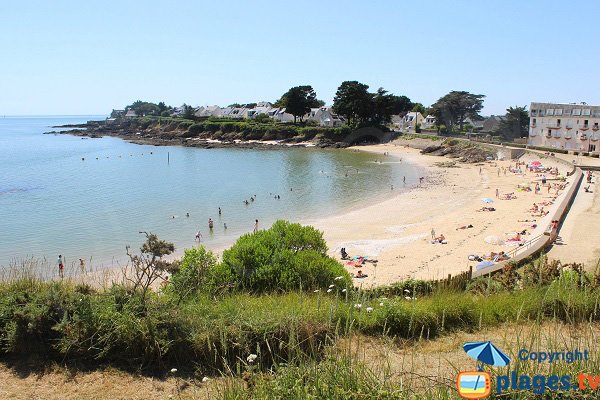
(53, 202)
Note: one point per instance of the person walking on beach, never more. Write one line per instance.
(255, 226)
(61, 266)
(210, 224)
(432, 234)
(497, 193)
(404, 180)
(81, 264)
(225, 225)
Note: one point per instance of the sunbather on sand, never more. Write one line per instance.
(516, 238)
(440, 239)
(464, 227)
(486, 209)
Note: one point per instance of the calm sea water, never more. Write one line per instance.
(54, 202)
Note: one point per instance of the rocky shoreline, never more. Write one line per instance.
(155, 136)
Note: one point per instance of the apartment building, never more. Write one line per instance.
(573, 126)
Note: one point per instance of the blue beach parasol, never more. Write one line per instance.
(487, 200)
(486, 353)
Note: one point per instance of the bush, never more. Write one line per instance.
(194, 266)
(285, 257)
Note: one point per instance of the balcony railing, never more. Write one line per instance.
(585, 127)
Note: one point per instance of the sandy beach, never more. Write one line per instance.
(398, 231)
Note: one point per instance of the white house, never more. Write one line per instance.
(429, 122)
(324, 116)
(208, 111)
(411, 119)
(574, 126)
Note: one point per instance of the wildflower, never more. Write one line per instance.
(358, 305)
(381, 304)
(369, 309)
(251, 358)
(205, 379)
(329, 290)
(316, 291)
(330, 286)
(338, 278)
(343, 290)
(408, 298)
(173, 370)
(406, 291)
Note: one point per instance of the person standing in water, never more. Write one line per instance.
(61, 266)
(198, 236)
(219, 210)
(210, 224)
(255, 226)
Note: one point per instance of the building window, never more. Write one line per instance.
(577, 111)
(550, 111)
(558, 111)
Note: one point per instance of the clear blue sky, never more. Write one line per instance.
(87, 57)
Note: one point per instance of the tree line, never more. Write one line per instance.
(361, 107)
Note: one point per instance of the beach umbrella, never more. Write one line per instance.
(493, 240)
(486, 353)
(487, 200)
(536, 162)
(484, 264)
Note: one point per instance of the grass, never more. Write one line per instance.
(298, 337)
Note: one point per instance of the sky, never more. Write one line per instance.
(88, 57)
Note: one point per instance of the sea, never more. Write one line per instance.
(89, 198)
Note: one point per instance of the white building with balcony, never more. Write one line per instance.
(572, 126)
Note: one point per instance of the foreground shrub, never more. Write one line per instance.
(193, 269)
(285, 257)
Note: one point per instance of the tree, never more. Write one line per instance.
(188, 112)
(456, 106)
(418, 107)
(142, 108)
(298, 101)
(385, 105)
(353, 101)
(515, 123)
(148, 266)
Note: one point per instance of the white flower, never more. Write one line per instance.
(251, 358)
(173, 370)
(338, 278)
(330, 286)
(381, 304)
(343, 290)
(369, 309)
(329, 290)
(205, 379)
(408, 298)
(358, 305)
(316, 291)
(406, 291)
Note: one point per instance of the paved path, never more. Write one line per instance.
(580, 232)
